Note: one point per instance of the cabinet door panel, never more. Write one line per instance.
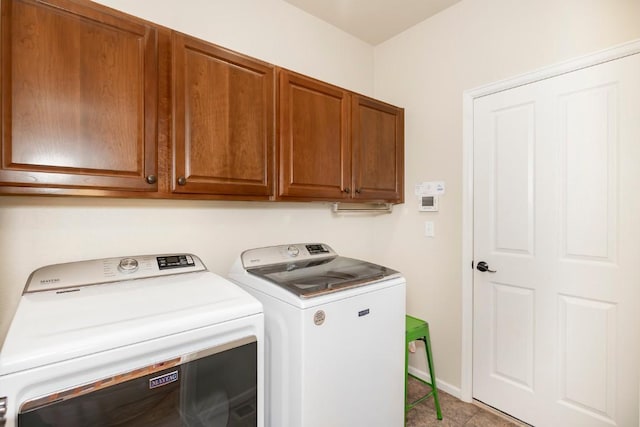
(315, 159)
(79, 97)
(224, 135)
(378, 150)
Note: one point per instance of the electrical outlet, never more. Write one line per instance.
(429, 229)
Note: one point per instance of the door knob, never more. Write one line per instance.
(483, 266)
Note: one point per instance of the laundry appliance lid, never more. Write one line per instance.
(62, 324)
(310, 274)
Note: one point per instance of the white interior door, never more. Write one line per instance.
(557, 216)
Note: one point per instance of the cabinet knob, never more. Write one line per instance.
(358, 190)
(151, 179)
(347, 190)
(182, 180)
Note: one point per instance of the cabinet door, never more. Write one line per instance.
(314, 151)
(79, 97)
(224, 121)
(378, 150)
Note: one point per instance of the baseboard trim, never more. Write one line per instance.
(444, 386)
(457, 393)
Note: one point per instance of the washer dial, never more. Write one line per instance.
(128, 265)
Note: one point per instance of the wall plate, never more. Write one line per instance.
(428, 203)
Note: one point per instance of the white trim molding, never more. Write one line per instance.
(468, 98)
(441, 385)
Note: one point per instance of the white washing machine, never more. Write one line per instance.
(139, 341)
(335, 336)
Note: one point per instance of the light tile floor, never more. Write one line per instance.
(455, 413)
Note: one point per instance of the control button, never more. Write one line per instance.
(128, 265)
(292, 251)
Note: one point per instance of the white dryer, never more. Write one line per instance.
(139, 341)
(335, 336)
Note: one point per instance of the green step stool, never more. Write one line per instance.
(418, 330)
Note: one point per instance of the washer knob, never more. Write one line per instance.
(128, 265)
(293, 251)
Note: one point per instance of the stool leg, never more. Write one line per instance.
(432, 372)
(406, 379)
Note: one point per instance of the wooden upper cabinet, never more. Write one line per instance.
(378, 150)
(97, 102)
(223, 138)
(314, 149)
(79, 97)
(336, 145)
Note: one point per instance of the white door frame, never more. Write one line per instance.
(468, 97)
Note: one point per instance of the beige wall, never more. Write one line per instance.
(271, 30)
(37, 231)
(426, 69)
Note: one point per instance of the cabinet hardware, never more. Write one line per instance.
(358, 190)
(151, 179)
(347, 190)
(182, 180)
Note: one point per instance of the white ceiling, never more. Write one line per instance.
(373, 21)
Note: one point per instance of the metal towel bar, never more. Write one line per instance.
(362, 207)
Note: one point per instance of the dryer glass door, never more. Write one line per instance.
(216, 387)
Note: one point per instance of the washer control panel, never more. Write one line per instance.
(285, 253)
(85, 273)
(175, 261)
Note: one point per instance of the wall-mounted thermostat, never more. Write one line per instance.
(428, 203)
